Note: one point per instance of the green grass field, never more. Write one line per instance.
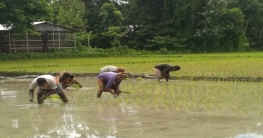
(219, 64)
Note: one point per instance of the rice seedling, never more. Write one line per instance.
(223, 65)
(214, 96)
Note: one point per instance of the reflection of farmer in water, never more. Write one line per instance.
(44, 36)
(47, 120)
(67, 80)
(163, 71)
(109, 113)
(110, 82)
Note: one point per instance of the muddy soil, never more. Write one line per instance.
(5, 75)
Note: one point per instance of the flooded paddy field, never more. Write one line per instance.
(146, 109)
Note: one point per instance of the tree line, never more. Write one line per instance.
(164, 25)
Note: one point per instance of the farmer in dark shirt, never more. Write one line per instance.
(163, 71)
(110, 82)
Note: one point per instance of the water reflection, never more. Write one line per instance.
(85, 116)
(5, 94)
(113, 114)
(249, 135)
(109, 112)
(46, 119)
(67, 121)
(72, 126)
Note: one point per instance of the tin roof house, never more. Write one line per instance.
(47, 37)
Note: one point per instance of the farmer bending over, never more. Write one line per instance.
(163, 71)
(47, 85)
(66, 79)
(110, 82)
(112, 69)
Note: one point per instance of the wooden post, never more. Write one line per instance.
(15, 41)
(88, 40)
(75, 45)
(53, 35)
(9, 37)
(27, 44)
(59, 40)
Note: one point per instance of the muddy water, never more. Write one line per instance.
(85, 116)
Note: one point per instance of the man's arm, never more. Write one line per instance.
(31, 95)
(108, 86)
(33, 86)
(166, 73)
(167, 77)
(48, 94)
(118, 91)
(74, 81)
(111, 91)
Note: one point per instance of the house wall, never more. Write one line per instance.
(59, 37)
(13, 42)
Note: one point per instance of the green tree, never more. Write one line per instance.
(232, 23)
(94, 26)
(70, 13)
(167, 43)
(253, 23)
(219, 28)
(115, 32)
(148, 18)
(111, 24)
(19, 14)
(200, 25)
(110, 15)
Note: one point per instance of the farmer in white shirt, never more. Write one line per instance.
(111, 68)
(47, 85)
